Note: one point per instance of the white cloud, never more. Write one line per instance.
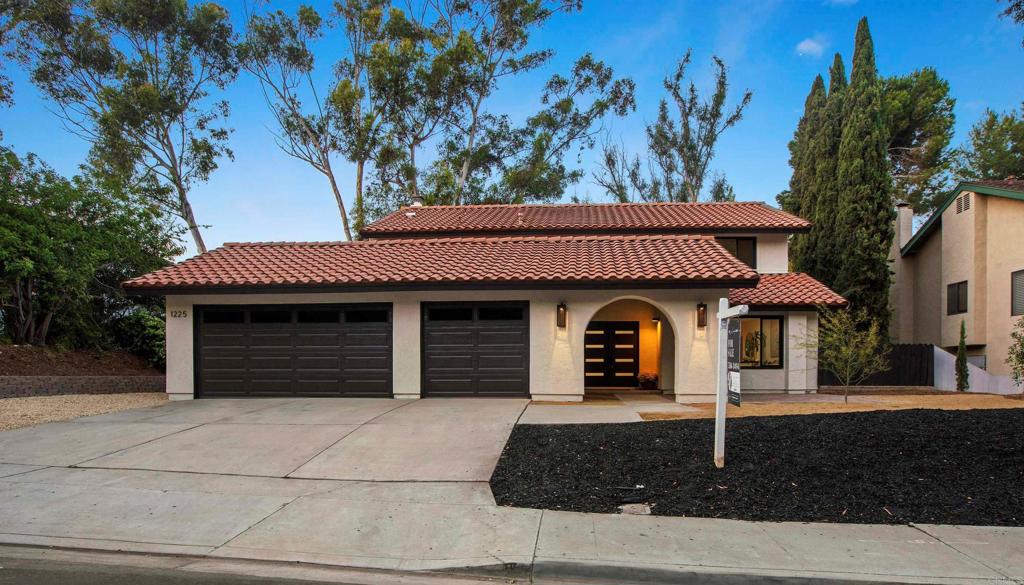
(811, 46)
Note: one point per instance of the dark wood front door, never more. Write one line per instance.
(612, 354)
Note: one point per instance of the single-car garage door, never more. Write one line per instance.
(476, 349)
(293, 350)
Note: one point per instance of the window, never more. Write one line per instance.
(1017, 293)
(223, 317)
(366, 316)
(956, 298)
(744, 249)
(501, 313)
(450, 313)
(318, 316)
(273, 316)
(761, 342)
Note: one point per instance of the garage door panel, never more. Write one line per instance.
(310, 350)
(449, 361)
(325, 386)
(492, 362)
(446, 385)
(440, 340)
(325, 362)
(325, 339)
(222, 340)
(511, 385)
(266, 339)
(475, 349)
(368, 339)
(368, 386)
(502, 338)
(367, 362)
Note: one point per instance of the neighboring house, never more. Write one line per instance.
(966, 263)
(548, 301)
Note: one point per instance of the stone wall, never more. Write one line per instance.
(17, 386)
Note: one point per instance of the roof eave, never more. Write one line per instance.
(688, 283)
(935, 219)
(405, 234)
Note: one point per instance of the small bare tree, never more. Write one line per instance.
(850, 346)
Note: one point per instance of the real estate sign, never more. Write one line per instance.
(732, 357)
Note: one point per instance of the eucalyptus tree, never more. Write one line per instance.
(574, 108)
(421, 78)
(492, 36)
(134, 78)
(680, 150)
(360, 107)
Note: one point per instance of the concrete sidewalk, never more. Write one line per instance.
(455, 527)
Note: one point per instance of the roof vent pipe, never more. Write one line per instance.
(417, 200)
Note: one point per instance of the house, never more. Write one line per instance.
(545, 301)
(965, 264)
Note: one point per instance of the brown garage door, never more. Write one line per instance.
(293, 350)
(476, 349)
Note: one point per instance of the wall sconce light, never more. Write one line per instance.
(561, 312)
(655, 319)
(702, 315)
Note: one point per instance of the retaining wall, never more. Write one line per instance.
(19, 386)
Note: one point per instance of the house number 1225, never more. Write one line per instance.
(179, 314)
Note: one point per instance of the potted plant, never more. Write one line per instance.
(648, 381)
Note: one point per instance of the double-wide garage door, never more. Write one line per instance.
(476, 349)
(293, 350)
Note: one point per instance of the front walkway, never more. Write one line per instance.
(402, 486)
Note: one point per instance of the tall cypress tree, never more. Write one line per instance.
(865, 213)
(822, 249)
(803, 196)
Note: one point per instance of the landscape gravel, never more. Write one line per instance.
(23, 412)
(890, 467)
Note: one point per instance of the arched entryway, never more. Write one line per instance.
(628, 344)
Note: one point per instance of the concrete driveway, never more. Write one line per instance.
(345, 439)
(388, 484)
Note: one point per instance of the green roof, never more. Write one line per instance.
(935, 219)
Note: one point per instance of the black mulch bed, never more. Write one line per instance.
(894, 467)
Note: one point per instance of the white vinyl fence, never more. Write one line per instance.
(979, 380)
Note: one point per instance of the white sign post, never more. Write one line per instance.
(722, 394)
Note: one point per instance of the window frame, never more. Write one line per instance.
(782, 343)
(751, 239)
(1014, 275)
(953, 300)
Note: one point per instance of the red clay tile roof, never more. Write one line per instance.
(786, 290)
(411, 263)
(585, 218)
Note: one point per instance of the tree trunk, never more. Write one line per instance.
(341, 203)
(412, 161)
(360, 214)
(39, 337)
(465, 163)
(190, 219)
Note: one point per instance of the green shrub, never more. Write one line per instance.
(142, 333)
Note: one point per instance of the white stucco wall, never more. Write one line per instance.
(556, 355)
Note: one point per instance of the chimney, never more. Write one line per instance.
(417, 200)
(904, 223)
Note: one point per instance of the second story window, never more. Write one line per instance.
(956, 298)
(744, 249)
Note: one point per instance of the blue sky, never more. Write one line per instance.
(774, 48)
